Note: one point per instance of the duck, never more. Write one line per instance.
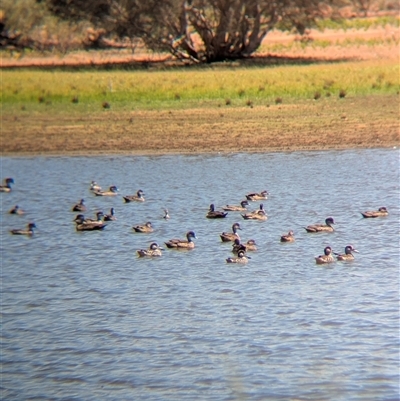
(181, 243)
(83, 224)
(7, 185)
(145, 228)
(236, 208)
(257, 196)
(326, 257)
(111, 216)
(348, 253)
(251, 245)
(154, 250)
(382, 211)
(28, 231)
(16, 210)
(94, 186)
(79, 207)
(238, 246)
(112, 191)
(227, 237)
(215, 214)
(97, 220)
(327, 227)
(166, 214)
(241, 258)
(135, 198)
(289, 237)
(259, 214)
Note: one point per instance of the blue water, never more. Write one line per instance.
(83, 318)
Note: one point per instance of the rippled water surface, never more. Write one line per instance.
(83, 318)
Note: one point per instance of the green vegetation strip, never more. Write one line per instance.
(82, 91)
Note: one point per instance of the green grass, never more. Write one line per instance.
(40, 90)
(358, 23)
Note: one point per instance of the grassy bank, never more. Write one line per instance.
(328, 123)
(80, 91)
(332, 105)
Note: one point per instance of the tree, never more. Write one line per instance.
(203, 31)
(217, 30)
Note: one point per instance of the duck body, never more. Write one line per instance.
(16, 210)
(348, 254)
(79, 207)
(241, 258)
(154, 250)
(255, 196)
(256, 215)
(316, 228)
(251, 245)
(28, 231)
(381, 212)
(181, 243)
(326, 257)
(112, 191)
(111, 216)
(227, 237)
(166, 214)
(236, 208)
(94, 186)
(215, 214)
(289, 237)
(98, 220)
(83, 224)
(135, 198)
(238, 246)
(7, 185)
(145, 228)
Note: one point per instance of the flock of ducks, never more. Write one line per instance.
(238, 248)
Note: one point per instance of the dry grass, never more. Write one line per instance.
(360, 122)
(185, 120)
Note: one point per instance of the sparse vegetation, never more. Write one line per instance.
(302, 124)
(61, 110)
(162, 89)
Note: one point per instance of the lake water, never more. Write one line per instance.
(83, 318)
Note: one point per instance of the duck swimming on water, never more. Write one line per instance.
(289, 237)
(83, 224)
(7, 185)
(235, 208)
(327, 227)
(16, 210)
(144, 228)
(259, 214)
(154, 250)
(79, 207)
(382, 211)
(94, 186)
(111, 216)
(181, 243)
(257, 196)
(227, 237)
(215, 214)
(135, 198)
(112, 191)
(326, 257)
(27, 231)
(348, 254)
(241, 258)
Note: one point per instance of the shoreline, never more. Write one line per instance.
(157, 153)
